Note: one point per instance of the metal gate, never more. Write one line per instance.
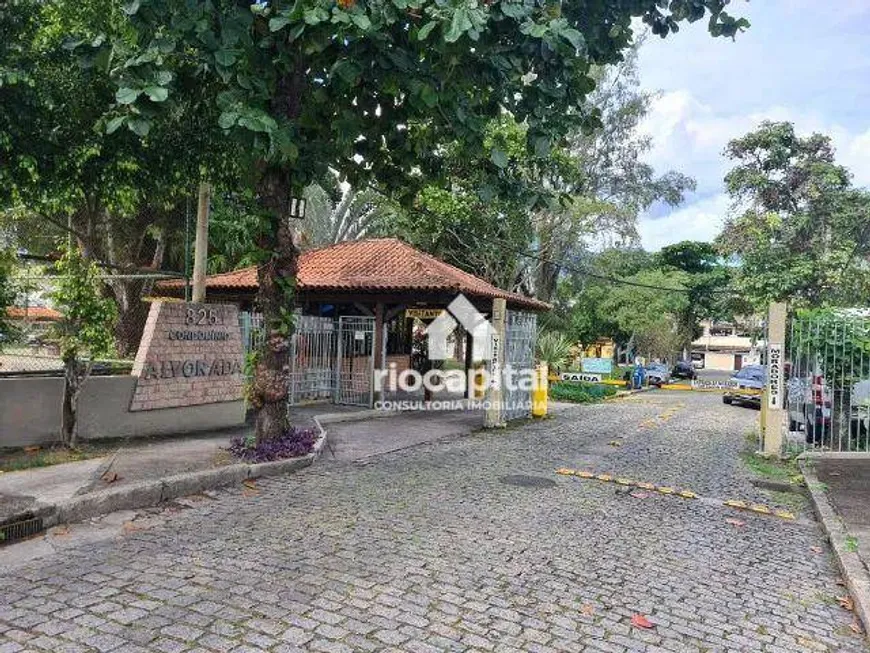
(312, 359)
(521, 332)
(356, 361)
(329, 359)
(827, 380)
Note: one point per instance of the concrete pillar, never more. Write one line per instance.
(379, 344)
(494, 415)
(469, 364)
(200, 251)
(774, 413)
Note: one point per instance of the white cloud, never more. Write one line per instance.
(701, 220)
(690, 136)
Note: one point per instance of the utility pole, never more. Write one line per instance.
(200, 252)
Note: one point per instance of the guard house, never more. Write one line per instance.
(365, 305)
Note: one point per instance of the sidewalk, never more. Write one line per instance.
(133, 462)
(840, 490)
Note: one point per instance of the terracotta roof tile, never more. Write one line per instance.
(373, 265)
(32, 313)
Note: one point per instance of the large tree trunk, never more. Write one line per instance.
(276, 300)
(74, 375)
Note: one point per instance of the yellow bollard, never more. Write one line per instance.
(479, 384)
(539, 391)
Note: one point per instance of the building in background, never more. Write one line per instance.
(728, 346)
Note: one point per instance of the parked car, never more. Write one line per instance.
(747, 385)
(860, 417)
(810, 405)
(658, 374)
(684, 370)
(808, 402)
(698, 361)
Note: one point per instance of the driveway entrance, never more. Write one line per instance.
(469, 544)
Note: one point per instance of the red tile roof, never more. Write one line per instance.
(373, 265)
(32, 313)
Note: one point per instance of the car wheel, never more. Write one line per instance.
(726, 399)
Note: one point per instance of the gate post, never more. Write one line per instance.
(773, 416)
(494, 415)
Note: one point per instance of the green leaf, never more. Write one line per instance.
(228, 119)
(349, 71)
(362, 21)
(513, 9)
(157, 93)
(315, 15)
(139, 126)
(426, 30)
(278, 23)
(163, 77)
(428, 95)
(460, 24)
(574, 37)
(130, 8)
(125, 95)
(225, 57)
(114, 123)
(498, 157)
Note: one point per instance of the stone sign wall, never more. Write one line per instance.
(190, 354)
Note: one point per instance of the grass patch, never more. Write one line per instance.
(19, 459)
(771, 468)
(580, 393)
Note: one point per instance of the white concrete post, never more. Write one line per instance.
(774, 415)
(494, 414)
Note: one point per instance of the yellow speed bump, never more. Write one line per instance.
(757, 507)
(784, 514)
(665, 489)
(624, 481)
(646, 486)
(604, 477)
(687, 494)
(564, 471)
(734, 503)
(584, 474)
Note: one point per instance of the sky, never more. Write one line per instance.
(804, 61)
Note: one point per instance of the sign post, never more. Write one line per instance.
(494, 414)
(773, 415)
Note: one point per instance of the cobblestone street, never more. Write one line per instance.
(450, 547)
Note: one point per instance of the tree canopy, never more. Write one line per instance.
(371, 90)
(800, 230)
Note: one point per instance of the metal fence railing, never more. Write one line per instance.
(827, 380)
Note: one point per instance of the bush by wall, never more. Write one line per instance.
(581, 393)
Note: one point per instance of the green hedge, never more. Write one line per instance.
(581, 393)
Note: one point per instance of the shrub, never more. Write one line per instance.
(294, 443)
(554, 349)
(580, 393)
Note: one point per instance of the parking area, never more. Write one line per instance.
(466, 544)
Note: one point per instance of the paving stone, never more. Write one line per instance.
(428, 550)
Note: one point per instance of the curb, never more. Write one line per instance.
(146, 494)
(854, 572)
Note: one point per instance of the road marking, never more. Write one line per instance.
(682, 493)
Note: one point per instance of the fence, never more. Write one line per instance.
(521, 331)
(827, 380)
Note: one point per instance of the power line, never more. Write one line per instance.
(568, 266)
